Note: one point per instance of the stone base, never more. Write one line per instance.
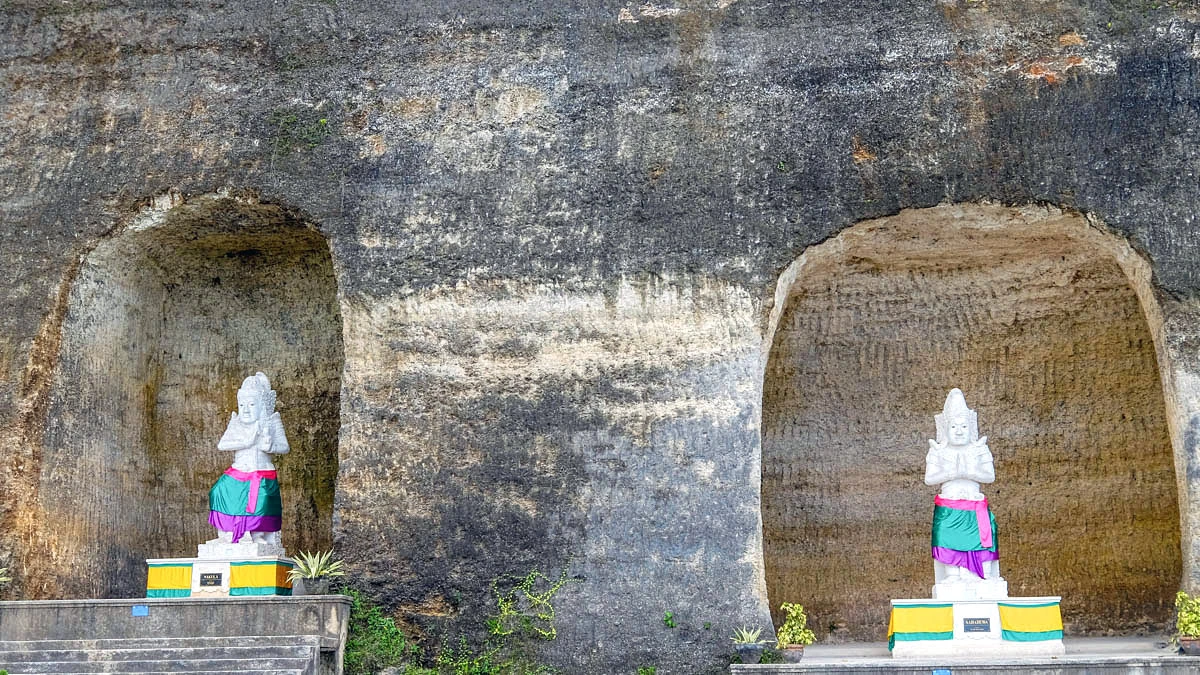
(217, 549)
(971, 589)
(218, 578)
(1009, 627)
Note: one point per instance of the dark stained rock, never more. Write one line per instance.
(555, 230)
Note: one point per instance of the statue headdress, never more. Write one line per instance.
(956, 405)
(259, 384)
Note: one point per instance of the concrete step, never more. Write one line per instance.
(293, 666)
(159, 653)
(197, 672)
(219, 673)
(163, 642)
(292, 654)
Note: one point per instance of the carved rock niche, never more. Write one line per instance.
(1033, 312)
(163, 321)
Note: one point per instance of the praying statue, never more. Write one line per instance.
(244, 505)
(965, 552)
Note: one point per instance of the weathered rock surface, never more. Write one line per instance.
(555, 230)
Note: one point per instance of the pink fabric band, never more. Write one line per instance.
(980, 507)
(255, 478)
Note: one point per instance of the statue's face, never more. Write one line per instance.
(249, 406)
(959, 432)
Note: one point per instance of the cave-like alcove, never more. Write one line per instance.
(1041, 328)
(163, 322)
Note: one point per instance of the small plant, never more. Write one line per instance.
(464, 661)
(747, 636)
(647, 670)
(707, 625)
(669, 619)
(4, 579)
(1187, 624)
(771, 656)
(525, 607)
(298, 129)
(794, 630)
(373, 641)
(316, 565)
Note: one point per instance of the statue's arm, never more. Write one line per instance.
(280, 444)
(228, 444)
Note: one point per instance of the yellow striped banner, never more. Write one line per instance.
(1030, 622)
(169, 581)
(259, 578)
(921, 621)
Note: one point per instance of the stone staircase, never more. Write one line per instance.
(257, 655)
(252, 635)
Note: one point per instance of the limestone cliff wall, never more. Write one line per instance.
(556, 230)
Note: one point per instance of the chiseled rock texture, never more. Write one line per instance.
(1040, 326)
(523, 266)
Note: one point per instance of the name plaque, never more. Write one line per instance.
(210, 579)
(977, 625)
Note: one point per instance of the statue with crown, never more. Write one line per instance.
(964, 542)
(970, 612)
(247, 555)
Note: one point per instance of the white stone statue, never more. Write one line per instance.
(245, 505)
(964, 547)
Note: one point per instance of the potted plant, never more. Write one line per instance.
(313, 572)
(794, 634)
(747, 644)
(1187, 623)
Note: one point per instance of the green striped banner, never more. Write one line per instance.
(1038, 636)
(169, 593)
(260, 590)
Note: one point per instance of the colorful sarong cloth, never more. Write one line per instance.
(244, 502)
(964, 533)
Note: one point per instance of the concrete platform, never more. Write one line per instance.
(303, 635)
(1143, 656)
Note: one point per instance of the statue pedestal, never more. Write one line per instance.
(974, 589)
(216, 548)
(1007, 627)
(218, 577)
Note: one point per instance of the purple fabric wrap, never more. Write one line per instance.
(972, 560)
(240, 525)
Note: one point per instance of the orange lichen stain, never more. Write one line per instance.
(431, 606)
(416, 107)
(1073, 61)
(374, 146)
(1071, 39)
(861, 152)
(1040, 71)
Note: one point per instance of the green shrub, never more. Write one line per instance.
(464, 661)
(1187, 624)
(525, 615)
(794, 630)
(373, 641)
